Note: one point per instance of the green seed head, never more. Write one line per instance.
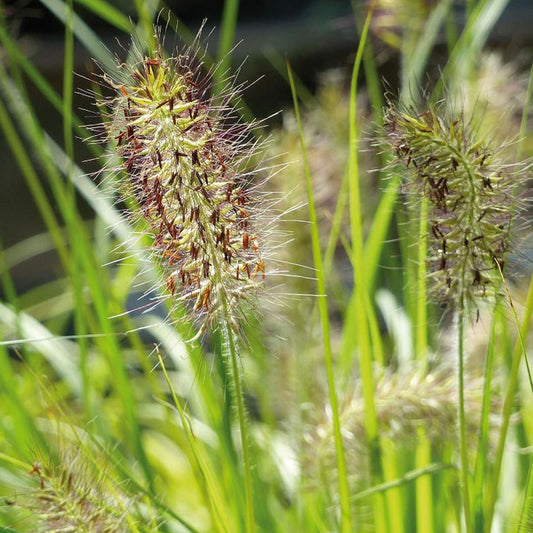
(73, 493)
(469, 191)
(188, 166)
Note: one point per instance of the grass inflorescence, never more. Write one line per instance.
(189, 167)
(74, 492)
(471, 192)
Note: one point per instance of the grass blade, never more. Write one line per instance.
(344, 493)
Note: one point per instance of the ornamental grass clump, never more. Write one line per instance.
(187, 166)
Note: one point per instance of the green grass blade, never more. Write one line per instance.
(474, 36)
(363, 307)
(6, 280)
(21, 156)
(512, 381)
(405, 479)
(481, 468)
(24, 434)
(84, 253)
(83, 33)
(230, 15)
(424, 489)
(378, 230)
(336, 227)
(68, 85)
(344, 493)
(18, 58)
(80, 319)
(146, 15)
(416, 63)
(463, 442)
(215, 501)
(525, 114)
(307, 98)
(109, 13)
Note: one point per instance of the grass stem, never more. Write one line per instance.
(463, 443)
(231, 345)
(347, 525)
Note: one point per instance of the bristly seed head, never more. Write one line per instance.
(75, 494)
(188, 165)
(470, 195)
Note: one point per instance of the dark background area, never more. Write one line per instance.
(316, 35)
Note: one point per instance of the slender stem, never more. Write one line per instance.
(206, 481)
(80, 319)
(145, 21)
(481, 467)
(241, 414)
(463, 444)
(227, 32)
(364, 310)
(528, 494)
(424, 490)
(347, 525)
(230, 15)
(525, 114)
(421, 334)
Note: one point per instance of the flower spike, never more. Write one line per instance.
(188, 165)
(470, 194)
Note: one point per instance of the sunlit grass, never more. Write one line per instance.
(345, 395)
